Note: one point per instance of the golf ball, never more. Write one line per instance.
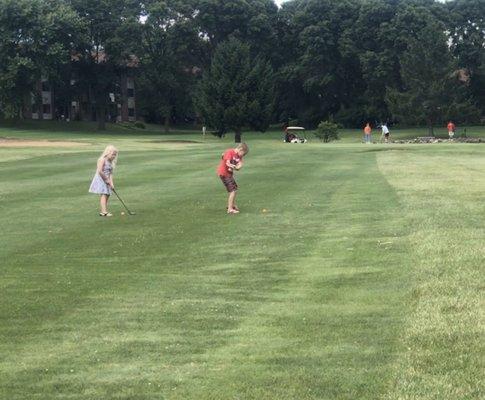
(122, 213)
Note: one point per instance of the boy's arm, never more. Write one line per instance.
(228, 157)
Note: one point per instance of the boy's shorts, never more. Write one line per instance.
(229, 183)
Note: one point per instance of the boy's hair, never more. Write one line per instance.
(243, 147)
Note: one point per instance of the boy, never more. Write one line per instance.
(231, 160)
(451, 129)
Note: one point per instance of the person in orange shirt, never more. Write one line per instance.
(231, 160)
(367, 133)
(451, 129)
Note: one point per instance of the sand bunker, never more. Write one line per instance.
(9, 142)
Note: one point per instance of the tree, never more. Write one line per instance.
(431, 90)
(36, 38)
(261, 95)
(236, 90)
(319, 76)
(371, 41)
(110, 40)
(169, 58)
(253, 22)
(466, 25)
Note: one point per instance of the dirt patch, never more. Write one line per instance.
(10, 142)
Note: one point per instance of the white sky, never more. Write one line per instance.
(278, 2)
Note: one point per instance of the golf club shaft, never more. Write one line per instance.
(119, 198)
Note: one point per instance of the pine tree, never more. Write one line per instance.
(235, 92)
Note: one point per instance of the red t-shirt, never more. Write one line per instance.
(230, 154)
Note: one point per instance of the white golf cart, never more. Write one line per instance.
(292, 134)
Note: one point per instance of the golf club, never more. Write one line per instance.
(122, 202)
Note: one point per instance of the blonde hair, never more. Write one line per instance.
(110, 149)
(243, 147)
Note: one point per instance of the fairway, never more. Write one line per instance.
(353, 271)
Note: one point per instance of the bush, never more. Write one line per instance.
(132, 125)
(327, 131)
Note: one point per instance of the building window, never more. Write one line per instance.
(46, 87)
(131, 92)
(131, 112)
(46, 108)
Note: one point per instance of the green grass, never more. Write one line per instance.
(361, 281)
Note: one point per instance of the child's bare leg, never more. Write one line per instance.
(103, 202)
(231, 199)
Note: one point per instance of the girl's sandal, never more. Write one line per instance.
(233, 211)
(106, 214)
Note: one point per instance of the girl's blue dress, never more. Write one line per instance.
(98, 186)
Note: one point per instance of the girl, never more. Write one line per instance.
(103, 178)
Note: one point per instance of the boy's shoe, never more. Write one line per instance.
(106, 214)
(233, 211)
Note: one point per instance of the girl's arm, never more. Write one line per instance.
(99, 170)
(111, 181)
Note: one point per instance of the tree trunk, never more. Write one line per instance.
(167, 123)
(430, 127)
(238, 136)
(40, 102)
(26, 111)
(101, 118)
(124, 113)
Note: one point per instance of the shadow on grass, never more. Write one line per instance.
(175, 141)
(380, 149)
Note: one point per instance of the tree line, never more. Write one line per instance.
(248, 63)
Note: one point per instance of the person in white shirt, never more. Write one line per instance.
(385, 133)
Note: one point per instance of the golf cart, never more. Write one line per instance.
(291, 134)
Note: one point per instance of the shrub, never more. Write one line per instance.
(126, 125)
(327, 131)
(132, 125)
